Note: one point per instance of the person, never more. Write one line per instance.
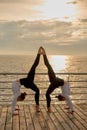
(55, 82)
(64, 96)
(27, 82)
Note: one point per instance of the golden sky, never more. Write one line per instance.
(60, 26)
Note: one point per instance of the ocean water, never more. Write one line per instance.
(60, 64)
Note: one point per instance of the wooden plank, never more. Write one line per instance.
(61, 119)
(42, 120)
(9, 119)
(58, 119)
(55, 119)
(82, 124)
(81, 117)
(82, 109)
(0, 110)
(83, 106)
(67, 118)
(82, 113)
(76, 121)
(22, 119)
(15, 122)
(50, 124)
(3, 118)
(29, 123)
(34, 115)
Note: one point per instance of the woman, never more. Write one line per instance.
(55, 82)
(28, 82)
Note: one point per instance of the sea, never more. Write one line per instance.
(60, 64)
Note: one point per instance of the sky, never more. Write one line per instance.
(60, 26)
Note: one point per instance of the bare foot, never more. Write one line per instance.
(37, 108)
(39, 51)
(49, 109)
(43, 51)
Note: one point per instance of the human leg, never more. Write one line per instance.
(37, 93)
(31, 73)
(48, 98)
(51, 73)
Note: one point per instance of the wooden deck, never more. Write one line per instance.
(58, 119)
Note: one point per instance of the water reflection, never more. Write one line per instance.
(58, 62)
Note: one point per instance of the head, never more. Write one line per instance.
(21, 97)
(61, 98)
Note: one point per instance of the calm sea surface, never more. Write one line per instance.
(65, 64)
(10, 63)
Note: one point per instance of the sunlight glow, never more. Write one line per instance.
(58, 62)
(58, 9)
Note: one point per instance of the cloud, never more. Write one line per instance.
(45, 30)
(10, 1)
(72, 2)
(19, 9)
(83, 20)
(22, 1)
(24, 36)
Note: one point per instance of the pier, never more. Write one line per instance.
(57, 119)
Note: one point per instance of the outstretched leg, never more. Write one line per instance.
(52, 78)
(51, 73)
(31, 73)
